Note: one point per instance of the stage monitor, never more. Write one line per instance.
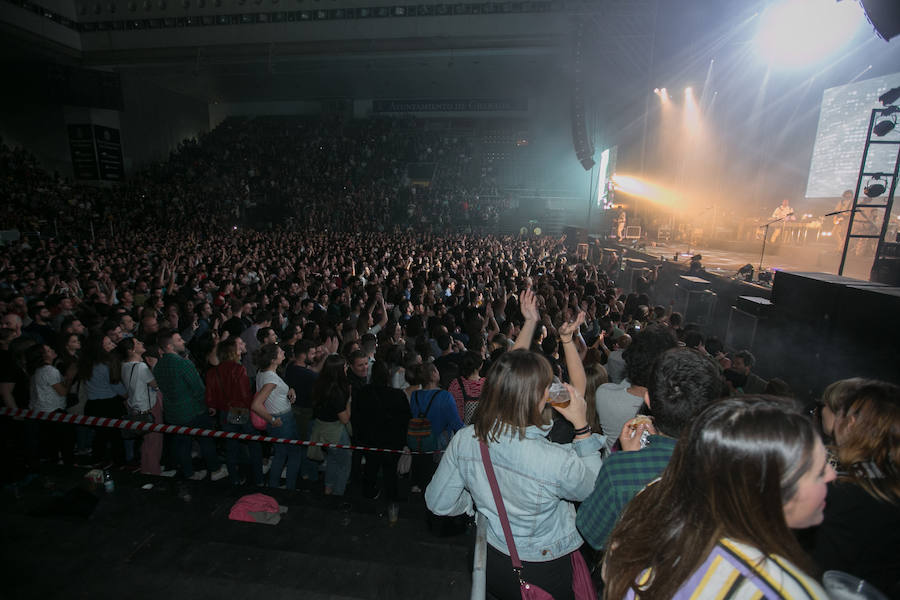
(607, 169)
(841, 137)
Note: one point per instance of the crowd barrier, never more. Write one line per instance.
(144, 427)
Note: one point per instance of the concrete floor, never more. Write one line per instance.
(138, 543)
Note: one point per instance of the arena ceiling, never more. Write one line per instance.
(516, 55)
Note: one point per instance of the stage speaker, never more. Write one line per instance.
(886, 270)
(808, 296)
(695, 299)
(584, 150)
(884, 16)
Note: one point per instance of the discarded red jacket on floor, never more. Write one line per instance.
(249, 507)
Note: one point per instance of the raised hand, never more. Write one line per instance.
(568, 329)
(528, 305)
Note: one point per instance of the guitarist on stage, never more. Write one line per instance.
(839, 230)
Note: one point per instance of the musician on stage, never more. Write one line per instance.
(785, 213)
(839, 231)
(621, 219)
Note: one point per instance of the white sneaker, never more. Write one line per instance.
(198, 475)
(415, 489)
(220, 473)
(168, 473)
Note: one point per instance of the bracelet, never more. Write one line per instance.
(583, 430)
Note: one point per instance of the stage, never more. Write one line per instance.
(725, 258)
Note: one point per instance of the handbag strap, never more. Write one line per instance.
(462, 388)
(501, 509)
(430, 400)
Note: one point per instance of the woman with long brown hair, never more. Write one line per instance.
(228, 391)
(861, 531)
(718, 521)
(538, 480)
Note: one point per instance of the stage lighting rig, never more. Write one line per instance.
(885, 126)
(890, 96)
(875, 186)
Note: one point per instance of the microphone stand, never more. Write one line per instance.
(766, 237)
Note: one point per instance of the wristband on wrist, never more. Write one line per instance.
(583, 430)
(568, 341)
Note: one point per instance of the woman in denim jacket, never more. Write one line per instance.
(538, 480)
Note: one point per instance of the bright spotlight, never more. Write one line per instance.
(688, 91)
(656, 91)
(664, 95)
(798, 33)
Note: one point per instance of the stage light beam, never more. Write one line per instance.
(798, 33)
(643, 188)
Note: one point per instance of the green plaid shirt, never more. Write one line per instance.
(623, 475)
(182, 389)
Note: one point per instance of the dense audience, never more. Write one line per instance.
(328, 322)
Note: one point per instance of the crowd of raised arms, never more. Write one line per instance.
(330, 322)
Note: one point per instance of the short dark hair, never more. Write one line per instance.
(381, 374)
(303, 347)
(164, 338)
(645, 348)
(747, 357)
(262, 316)
(356, 354)
(693, 338)
(682, 382)
(470, 363)
(443, 341)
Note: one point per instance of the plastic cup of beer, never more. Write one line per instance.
(559, 395)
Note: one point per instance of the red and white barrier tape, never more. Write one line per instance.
(145, 427)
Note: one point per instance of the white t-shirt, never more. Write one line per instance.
(277, 402)
(137, 376)
(43, 397)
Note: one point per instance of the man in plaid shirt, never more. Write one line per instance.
(183, 402)
(683, 381)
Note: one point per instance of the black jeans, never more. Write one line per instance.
(58, 439)
(387, 463)
(113, 408)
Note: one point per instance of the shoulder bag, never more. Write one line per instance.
(581, 576)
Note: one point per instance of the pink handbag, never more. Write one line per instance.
(257, 421)
(582, 584)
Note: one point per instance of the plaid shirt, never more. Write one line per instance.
(623, 475)
(182, 389)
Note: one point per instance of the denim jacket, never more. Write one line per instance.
(538, 481)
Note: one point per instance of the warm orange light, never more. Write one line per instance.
(643, 188)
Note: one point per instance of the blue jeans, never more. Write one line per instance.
(285, 452)
(337, 466)
(234, 451)
(183, 445)
(309, 469)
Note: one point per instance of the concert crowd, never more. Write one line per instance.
(286, 271)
